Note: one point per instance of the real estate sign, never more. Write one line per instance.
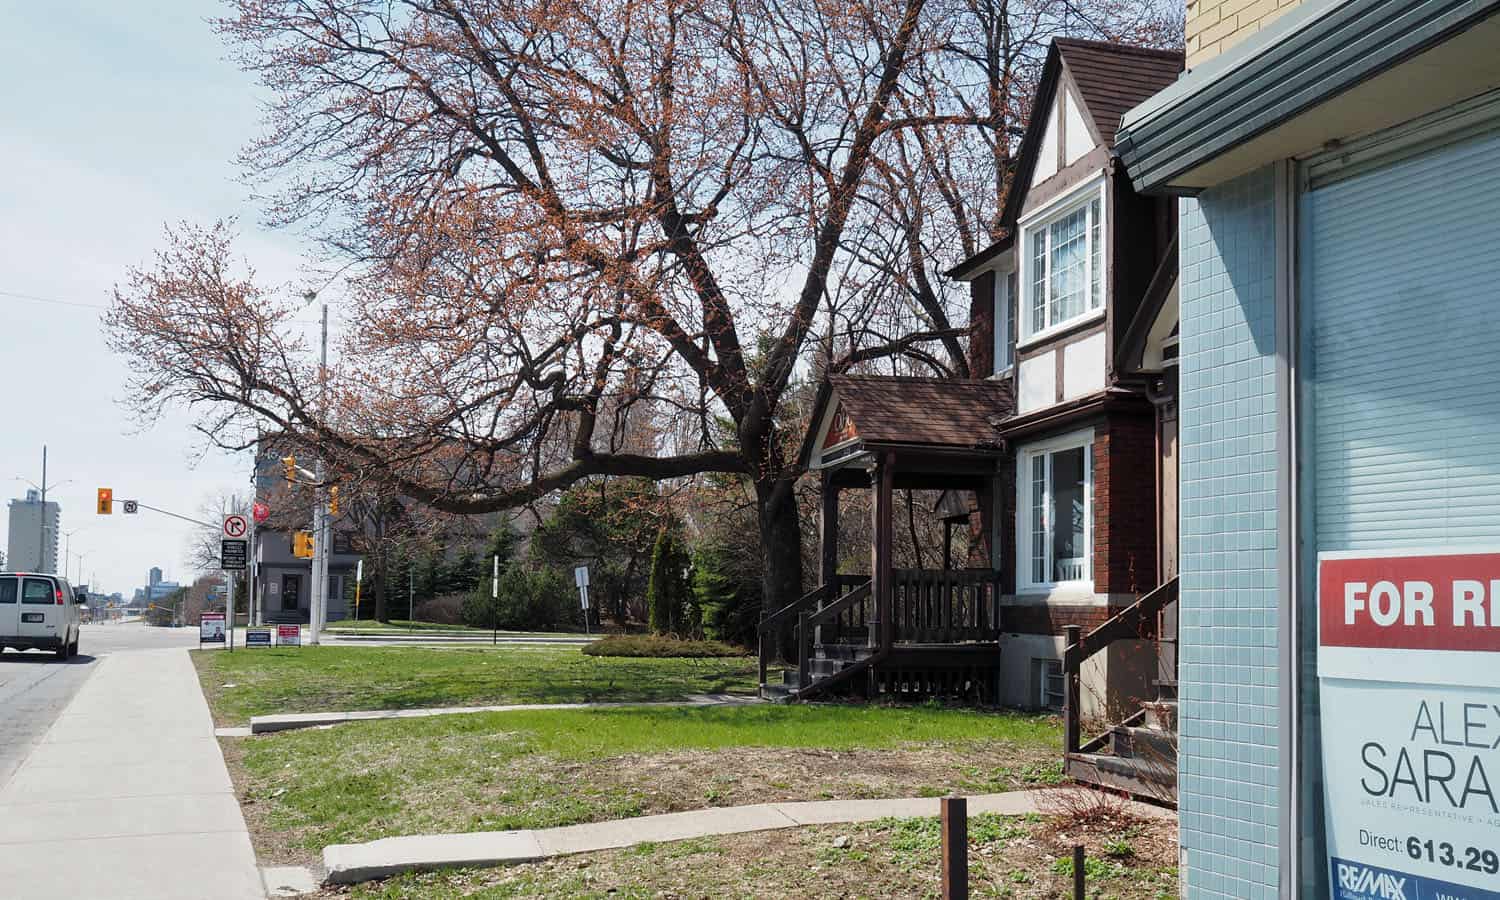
(211, 628)
(1409, 705)
(288, 635)
(258, 637)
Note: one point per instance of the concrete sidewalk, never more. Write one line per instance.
(291, 721)
(352, 863)
(127, 795)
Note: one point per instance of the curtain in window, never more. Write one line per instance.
(1096, 255)
(1069, 253)
(1039, 280)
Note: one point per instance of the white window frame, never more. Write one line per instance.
(1042, 220)
(1003, 304)
(1024, 497)
(1046, 670)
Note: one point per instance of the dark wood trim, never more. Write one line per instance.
(1064, 180)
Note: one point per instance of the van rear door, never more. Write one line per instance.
(42, 608)
(10, 595)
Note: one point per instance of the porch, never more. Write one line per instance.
(895, 631)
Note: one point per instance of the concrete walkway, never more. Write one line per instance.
(290, 721)
(127, 796)
(351, 863)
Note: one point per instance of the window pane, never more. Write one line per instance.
(1039, 280)
(1012, 312)
(1002, 322)
(1096, 254)
(1039, 519)
(1069, 509)
(1069, 266)
(38, 591)
(8, 590)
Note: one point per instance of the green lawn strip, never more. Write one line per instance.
(1008, 857)
(529, 769)
(317, 679)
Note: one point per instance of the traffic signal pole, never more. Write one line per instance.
(318, 604)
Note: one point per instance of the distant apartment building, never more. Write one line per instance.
(32, 541)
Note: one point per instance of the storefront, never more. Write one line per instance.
(1340, 438)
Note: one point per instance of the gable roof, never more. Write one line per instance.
(1108, 80)
(889, 410)
(1113, 79)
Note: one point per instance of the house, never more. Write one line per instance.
(1064, 448)
(1339, 169)
(281, 582)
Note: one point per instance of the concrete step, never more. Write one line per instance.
(1144, 743)
(776, 693)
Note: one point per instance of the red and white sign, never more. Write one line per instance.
(260, 512)
(1417, 602)
(235, 526)
(288, 635)
(1409, 721)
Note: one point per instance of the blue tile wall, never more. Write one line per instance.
(1227, 779)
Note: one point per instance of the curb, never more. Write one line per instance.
(292, 721)
(353, 863)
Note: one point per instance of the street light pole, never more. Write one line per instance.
(318, 605)
(41, 547)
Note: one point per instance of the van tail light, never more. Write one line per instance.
(59, 596)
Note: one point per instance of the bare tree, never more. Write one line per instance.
(592, 238)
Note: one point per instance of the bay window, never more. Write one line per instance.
(1056, 511)
(1005, 321)
(1064, 259)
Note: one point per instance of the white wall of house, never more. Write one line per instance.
(1083, 367)
(1036, 387)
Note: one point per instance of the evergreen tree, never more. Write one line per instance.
(728, 595)
(667, 590)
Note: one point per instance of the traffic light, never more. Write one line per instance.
(106, 501)
(333, 500)
(290, 462)
(302, 545)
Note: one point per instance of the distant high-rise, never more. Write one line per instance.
(154, 577)
(32, 542)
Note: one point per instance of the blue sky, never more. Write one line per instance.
(118, 118)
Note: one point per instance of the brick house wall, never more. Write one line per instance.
(1125, 505)
(1046, 618)
(1214, 26)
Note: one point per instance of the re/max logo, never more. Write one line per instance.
(1371, 882)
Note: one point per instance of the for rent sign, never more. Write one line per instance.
(1409, 675)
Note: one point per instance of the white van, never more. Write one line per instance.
(39, 612)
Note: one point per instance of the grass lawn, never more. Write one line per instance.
(303, 790)
(312, 679)
(1023, 856)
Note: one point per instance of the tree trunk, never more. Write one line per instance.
(781, 542)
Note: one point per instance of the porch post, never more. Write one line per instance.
(828, 545)
(947, 544)
(881, 572)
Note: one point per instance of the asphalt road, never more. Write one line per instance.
(35, 687)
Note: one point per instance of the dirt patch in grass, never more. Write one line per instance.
(545, 791)
(1022, 857)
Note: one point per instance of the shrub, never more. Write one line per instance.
(655, 645)
(530, 600)
(445, 610)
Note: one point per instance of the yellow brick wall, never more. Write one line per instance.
(1214, 26)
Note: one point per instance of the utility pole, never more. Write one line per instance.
(41, 547)
(318, 605)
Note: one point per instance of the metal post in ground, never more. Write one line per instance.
(1079, 889)
(955, 850)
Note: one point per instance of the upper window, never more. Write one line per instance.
(1005, 321)
(1057, 510)
(1065, 265)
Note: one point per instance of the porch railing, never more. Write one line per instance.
(952, 606)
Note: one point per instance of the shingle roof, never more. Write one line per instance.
(1115, 78)
(930, 411)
